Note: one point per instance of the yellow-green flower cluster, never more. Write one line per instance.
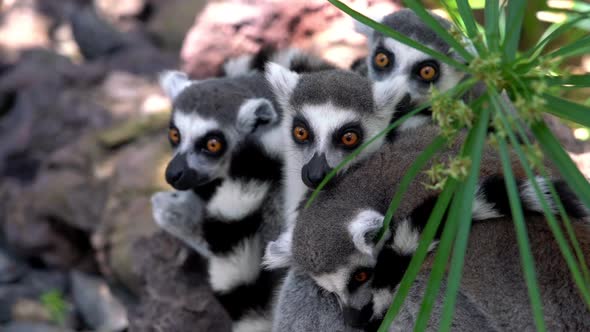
(451, 114)
(456, 168)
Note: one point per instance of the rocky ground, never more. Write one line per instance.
(82, 148)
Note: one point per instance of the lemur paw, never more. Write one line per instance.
(180, 213)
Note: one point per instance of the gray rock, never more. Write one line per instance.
(31, 327)
(10, 270)
(177, 296)
(94, 36)
(31, 286)
(98, 306)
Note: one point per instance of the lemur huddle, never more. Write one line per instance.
(250, 147)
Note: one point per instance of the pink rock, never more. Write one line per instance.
(231, 28)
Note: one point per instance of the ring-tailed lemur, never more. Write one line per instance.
(334, 239)
(409, 71)
(327, 115)
(227, 153)
(388, 57)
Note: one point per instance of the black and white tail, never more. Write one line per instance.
(490, 202)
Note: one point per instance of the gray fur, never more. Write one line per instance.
(220, 98)
(303, 306)
(344, 89)
(406, 22)
(493, 295)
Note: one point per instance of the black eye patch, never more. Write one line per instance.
(349, 128)
(299, 121)
(213, 144)
(359, 277)
(382, 59)
(427, 71)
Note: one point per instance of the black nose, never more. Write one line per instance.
(358, 318)
(315, 170)
(179, 175)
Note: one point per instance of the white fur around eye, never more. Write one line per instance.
(366, 224)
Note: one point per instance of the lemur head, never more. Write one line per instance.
(328, 114)
(388, 57)
(341, 257)
(211, 119)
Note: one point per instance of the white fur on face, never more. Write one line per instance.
(253, 323)
(335, 282)
(366, 223)
(324, 119)
(388, 93)
(241, 266)
(191, 126)
(234, 199)
(406, 57)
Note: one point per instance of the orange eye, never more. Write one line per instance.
(361, 276)
(214, 145)
(428, 73)
(174, 136)
(381, 60)
(300, 133)
(350, 139)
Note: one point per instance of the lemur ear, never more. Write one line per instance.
(254, 113)
(365, 29)
(278, 253)
(364, 229)
(283, 82)
(173, 82)
(388, 93)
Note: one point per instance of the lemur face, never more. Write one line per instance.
(419, 72)
(210, 121)
(328, 115)
(342, 258)
(202, 150)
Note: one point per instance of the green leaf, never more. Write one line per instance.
(516, 10)
(553, 32)
(526, 257)
(466, 194)
(445, 245)
(558, 156)
(571, 174)
(570, 81)
(558, 204)
(470, 24)
(397, 36)
(408, 177)
(432, 225)
(568, 110)
(435, 25)
(492, 17)
(579, 47)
